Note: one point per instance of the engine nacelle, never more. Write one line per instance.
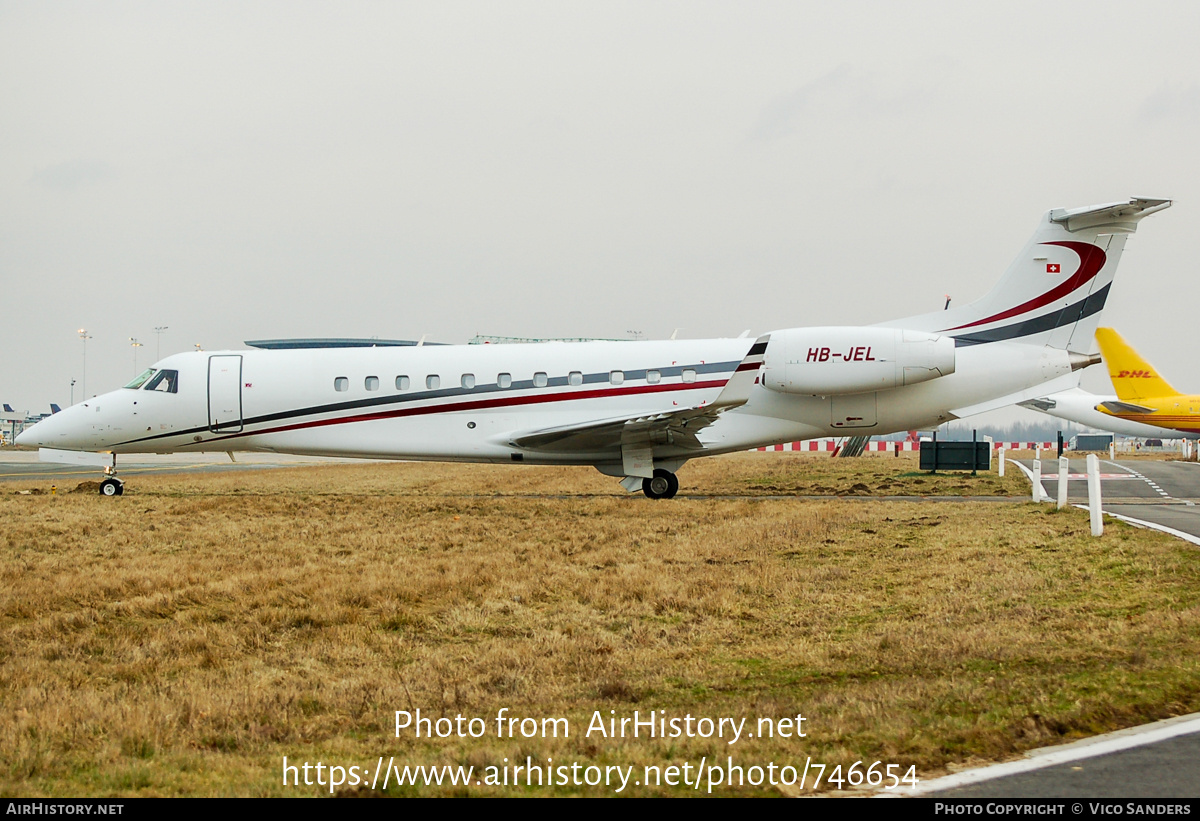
(831, 361)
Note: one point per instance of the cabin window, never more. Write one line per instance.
(504, 380)
(575, 378)
(616, 377)
(653, 377)
(166, 381)
(540, 380)
(468, 380)
(371, 383)
(433, 381)
(689, 375)
(341, 384)
(402, 383)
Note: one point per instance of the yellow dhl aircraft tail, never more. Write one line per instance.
(1132, 376)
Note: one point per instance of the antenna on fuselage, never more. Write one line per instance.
(946, 307)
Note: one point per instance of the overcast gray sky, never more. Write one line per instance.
(247, 170)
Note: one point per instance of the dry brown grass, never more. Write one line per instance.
(182, 639)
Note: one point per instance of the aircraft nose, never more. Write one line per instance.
(57, 431)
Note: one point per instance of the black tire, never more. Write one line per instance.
(673, 485)
(112, 487)
(663, 485)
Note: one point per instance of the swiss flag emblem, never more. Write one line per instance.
(1053, 268)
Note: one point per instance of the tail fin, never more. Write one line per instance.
(1053, 292)
(1133, 377)
(54, 408)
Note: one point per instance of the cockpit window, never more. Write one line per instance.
(141, 378)
(166, 381)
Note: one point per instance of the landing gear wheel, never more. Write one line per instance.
(112, 487)
(663, 485)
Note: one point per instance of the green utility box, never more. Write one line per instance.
(956, 456)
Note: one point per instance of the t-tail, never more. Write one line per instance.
(1133, 377)
(1053, 292)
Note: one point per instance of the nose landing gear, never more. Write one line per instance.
(111, 486)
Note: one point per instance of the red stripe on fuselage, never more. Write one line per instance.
(481, 404)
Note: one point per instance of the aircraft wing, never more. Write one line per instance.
(1125, 407)
(678, 428)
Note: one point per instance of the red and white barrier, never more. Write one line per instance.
(821, 445)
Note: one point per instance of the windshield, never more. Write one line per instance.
(167, 381)
(141, 378)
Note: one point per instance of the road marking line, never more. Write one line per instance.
(1179, 534)
(1138, 475)
(1043, 496)
(1049, 756)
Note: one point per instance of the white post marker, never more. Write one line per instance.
(1063, 467)
(1037, 480)
(1112, 450)
(1001, 468)
(1093, 472)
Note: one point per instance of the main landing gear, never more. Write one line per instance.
(663, 485)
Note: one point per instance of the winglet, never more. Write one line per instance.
(737, 389)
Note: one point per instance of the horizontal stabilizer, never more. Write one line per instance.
(1116, 215)
(1061, 383)
(1125, 407)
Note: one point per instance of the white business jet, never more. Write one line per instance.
(634, 410)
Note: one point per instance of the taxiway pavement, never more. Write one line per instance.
(24, 464)
(1163, 494)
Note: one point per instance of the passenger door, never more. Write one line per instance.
(225, 393)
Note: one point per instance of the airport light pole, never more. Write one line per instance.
(85, 336)
(158, 329)
(133, 343)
